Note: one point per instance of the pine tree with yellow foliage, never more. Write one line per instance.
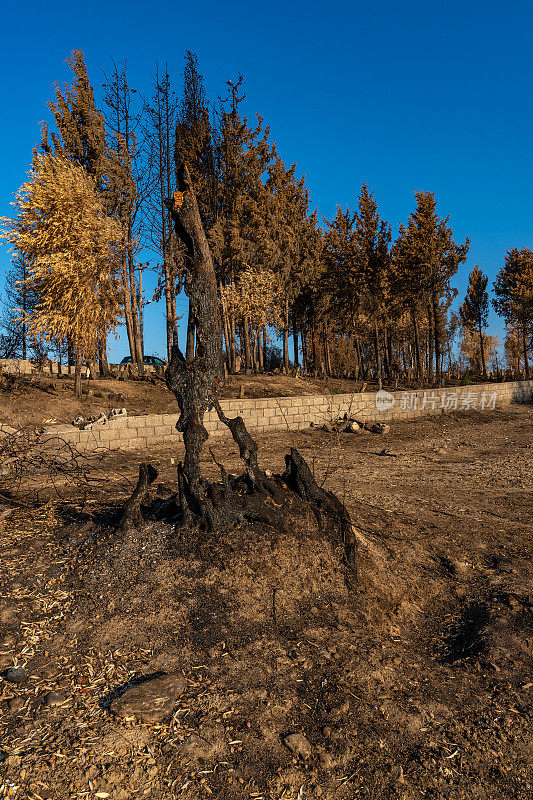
(70, 244)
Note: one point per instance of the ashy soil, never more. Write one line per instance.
(408, 677)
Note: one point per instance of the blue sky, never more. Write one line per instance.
(406, 96)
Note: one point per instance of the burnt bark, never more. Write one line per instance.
(254, 496)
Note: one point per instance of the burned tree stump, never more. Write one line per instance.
(254, 496)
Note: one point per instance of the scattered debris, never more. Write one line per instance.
(347, 425)
(100, 419)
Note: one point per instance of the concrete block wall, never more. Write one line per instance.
(293, 413)
(16, 366)
(19, 366)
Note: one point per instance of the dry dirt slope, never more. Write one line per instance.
(412, 679)
(37, 400)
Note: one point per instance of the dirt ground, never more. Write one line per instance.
(42, 400)
(409, 677)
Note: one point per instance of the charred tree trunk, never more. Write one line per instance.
(254, 496)
(246, 343)
(295, 339)
(189, 347)
(77, 373)
(438, 332)
(416, 336)
(431, 342)
(482, 348)
(103, 364)
(524, 348)
(265, 353)
(377, 356)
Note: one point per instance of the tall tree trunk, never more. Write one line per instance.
(225, 328)
(524, 347)
(168, 310)
(140, 307)
(482, 348)
(193, 384)
(313, 346)
(138, 358)
(418, 354)
(286, 336)
(246, 342)
(449, 349)
(24, 309)
(189, 348)
(304, 346)
(438, 332)
(77, 373)
(71, 355)
(377, 356)
(431, 343)
(327, 352)
(390, 348)
(265, 354)
(295, 339)
(102, 355)
(233, 346)
(359, 358)
(260, 351)
(127, 309)
(386, 362)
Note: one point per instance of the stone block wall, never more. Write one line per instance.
(16, 366)
(293, 413)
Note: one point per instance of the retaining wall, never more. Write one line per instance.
(19, 366)
(282, 413)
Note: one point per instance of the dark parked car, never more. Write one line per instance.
(153, 361)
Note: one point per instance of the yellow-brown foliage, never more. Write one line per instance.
(470, 348)
(70, 245)
(255, 295)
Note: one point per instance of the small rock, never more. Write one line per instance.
(49, 671)
(339, 711)
(52, 699)
(353, 427)
(397, 773)
(15, 675)
(15, 704)
(13, 762)
(151, 701)
(326, 761)
(194, 748)
(9, 616)
(92, 772)
(298, 744)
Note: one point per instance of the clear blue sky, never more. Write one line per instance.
(406, 96)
